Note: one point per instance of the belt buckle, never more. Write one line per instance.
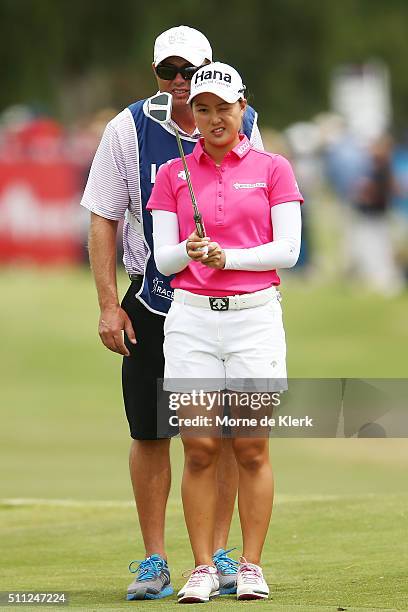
(219, 303)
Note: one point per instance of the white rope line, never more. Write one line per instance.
(74, 503)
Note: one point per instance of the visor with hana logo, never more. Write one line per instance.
(220, 79)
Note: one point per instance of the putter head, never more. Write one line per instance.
(159, 107)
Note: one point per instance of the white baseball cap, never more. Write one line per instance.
(182, 41)
(219, 79)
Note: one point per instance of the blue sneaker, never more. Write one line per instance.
(227, 571)
(152, 580)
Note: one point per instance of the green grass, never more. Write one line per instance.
(338, 534)
(343, 550)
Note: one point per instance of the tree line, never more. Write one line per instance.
(71, 57)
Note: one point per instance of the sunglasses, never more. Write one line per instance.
(168, 72)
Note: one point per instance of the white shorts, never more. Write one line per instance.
(239, 350)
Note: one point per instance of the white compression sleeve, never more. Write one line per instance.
(170, 254)
(283, 252)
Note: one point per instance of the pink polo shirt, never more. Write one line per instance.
(235, 201)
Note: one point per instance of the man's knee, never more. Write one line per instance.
(201, 454)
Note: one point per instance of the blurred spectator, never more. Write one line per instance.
(346, 157)
(84, 137)
(360, 175)
(400, 201)
(371, 243)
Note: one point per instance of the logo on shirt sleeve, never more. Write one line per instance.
(182, 175)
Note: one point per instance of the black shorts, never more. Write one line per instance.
(142, 369)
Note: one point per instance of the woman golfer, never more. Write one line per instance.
(225, 322)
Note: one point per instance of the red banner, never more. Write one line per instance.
(40, 187)
(39, 212)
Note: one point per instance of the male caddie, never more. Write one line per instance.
(132, 149)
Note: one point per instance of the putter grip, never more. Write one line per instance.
(200, 229)
(199, 226)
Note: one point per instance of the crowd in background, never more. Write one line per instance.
(44, 165)
(368, 178)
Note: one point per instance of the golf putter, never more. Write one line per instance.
(159, 109)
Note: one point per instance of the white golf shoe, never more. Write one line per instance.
(250, 581)
(202, 584)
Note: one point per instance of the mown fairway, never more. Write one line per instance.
(338, 534)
